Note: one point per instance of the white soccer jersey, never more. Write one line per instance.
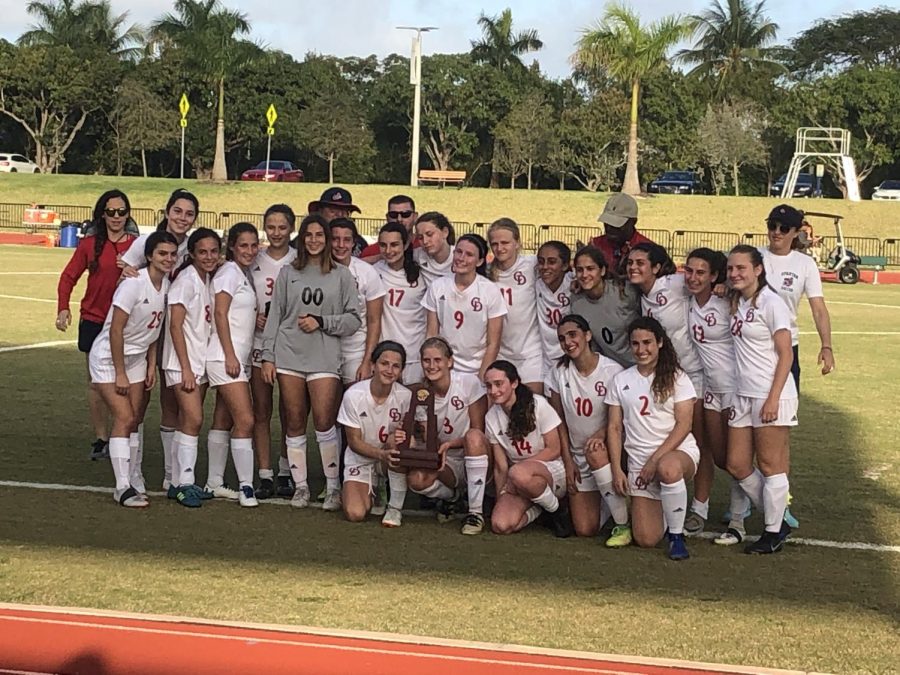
(431, 269)
(368, 288)
(145, 306)
(667, 302)
(753, 329)
(648, 423)
(521, 336)
(711, 333)
(792, 276)
(134, 256)
(230, 279)
(376, 422)
(551, 307)
(264, 271)
(193, 293)
(463, 316)
(496, 425)
(403, 318)
(583, 398)
(452, 410)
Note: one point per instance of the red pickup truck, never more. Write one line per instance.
(279, 171)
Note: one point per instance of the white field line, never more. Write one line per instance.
(862, 304)
(38, 345)
(23, 297)
(853, 332)
(824, 543)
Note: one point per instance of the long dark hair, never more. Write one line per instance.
(716, 260)
(756, 260)
(284, 210)
(157, 238)
(326, 264)
(609, 275)
(564, 360)
(441, 222)
(389, 346)
(667, 365)
(180, 193)
(522, 420)
(479, 242)
(410, 267)
(101, 234)
(236, 231)
(657, 255)
(197, 235)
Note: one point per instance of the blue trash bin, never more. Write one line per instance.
(68, 235)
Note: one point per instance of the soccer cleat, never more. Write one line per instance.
(247, 497)
(620, 537)
(99, 450)
(677, 547)
(130, 498)
(770, 542)
(266, 488)
(427, 503)
(300, 500)
(693, 524)
(332, 501)
(392, 517)
(473, 524)
(223, 492)
(788, 516)
(561, 521)
(730, 537)
(189, 496)
(172, 491)
(284, 487)
(448, 509)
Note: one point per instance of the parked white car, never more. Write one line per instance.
(888, 190)
(11, 162)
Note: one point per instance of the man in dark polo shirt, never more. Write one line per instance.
(400, 209)
(619, 220)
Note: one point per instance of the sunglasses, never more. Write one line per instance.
(400, 214)
(112, 213)
(775, 225)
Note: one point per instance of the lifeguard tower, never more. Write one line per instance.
(830, 144)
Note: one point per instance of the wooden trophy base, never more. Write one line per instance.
(413, 458)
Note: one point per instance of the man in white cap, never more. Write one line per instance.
(619, 220)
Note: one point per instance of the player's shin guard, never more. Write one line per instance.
(775, 496)
(397, 485)
(167, 437)
(136, 452)
(752, 486)
(329, 449)
(119, 458)
(296, 455)
(674, 505)
(187, 458)
(476, 478)
(242, 455)
(217, 451)
(739, 503)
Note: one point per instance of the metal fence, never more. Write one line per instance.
(683, 242)
(890, 249)
(229, 218)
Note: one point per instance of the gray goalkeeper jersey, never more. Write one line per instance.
(608, 317)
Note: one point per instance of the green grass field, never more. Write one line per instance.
(810, 608)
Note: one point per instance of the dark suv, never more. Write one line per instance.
(805, 187)
(677, 183)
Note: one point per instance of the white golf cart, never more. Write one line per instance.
(840, 260)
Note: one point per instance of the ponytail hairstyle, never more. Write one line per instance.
(756, 260)
(599, 259)
(284, 210)
(657, 255)
(180, 193)
(667, 366)
(716, 260)
(410, 266)
(522, 420)
(98, 225)
(441, 222)
(197, 236)
(389, 346)
(564, 360)
(157, 238)
(510, 226)
(326, 263)
(236, 231)
(478, 242)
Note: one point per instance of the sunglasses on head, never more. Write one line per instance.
(399, 214)
(775, 225)
(115, 212)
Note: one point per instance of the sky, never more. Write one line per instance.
(364, 27)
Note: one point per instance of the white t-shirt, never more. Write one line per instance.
(264, 271)
(521, 337)
(711, 333)
(431, 268)
(648, 423)
(667, 302)
(403, 318)
(753, 329)
(368, 288)
(792, 276)
(230, 279)
(452, 410)
(376, 422)
(193, 293)
(551, 307)
(583, 397)
(134, 256)
(145, 306)
(463, 316)
(496, 424)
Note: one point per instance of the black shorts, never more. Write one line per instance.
(87, 333)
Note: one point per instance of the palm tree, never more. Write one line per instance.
(730, 43)
(208, 35)
(623, 49)
(85, 26)
(499, 46)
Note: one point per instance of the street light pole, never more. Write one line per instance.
(415, 79)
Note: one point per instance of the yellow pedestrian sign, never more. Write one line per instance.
(184, 106)
(271, 116)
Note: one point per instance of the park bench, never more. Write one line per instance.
(876, 263)
(442, 177)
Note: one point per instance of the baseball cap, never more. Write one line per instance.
(618, 209)
(786, 215)
(334, 196)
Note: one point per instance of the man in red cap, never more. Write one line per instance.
(335, 202)
(619, 219)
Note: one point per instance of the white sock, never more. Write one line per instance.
(752, 486)
(674, 505)
(266, 473)
(476, 478)
(618, 507)
(119, 458)
(775, 496)
(437, 490)
(700, 508)
(531, 514)
(397, 485)
(296, 459)
(242, 455)
(217, 451)
(329, 450)
(284, 466)
(547, 500)
(167, 436)
(740, 502)
(187, 458)
(135, 449)
(605, 513)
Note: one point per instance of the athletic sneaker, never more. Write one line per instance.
(99, 450)
(266, 488)
(332, 500)
(733, 535)
(620, 537)
(693, 524)
(130, 498)
(392, 517)
(223, 492)
(379, 499)
(189, 495)
(473, 524)
(284, 487)
(561, 521)
(172, 491)
(770, 542)
(247, 497)
(300, 500)
(677, 547)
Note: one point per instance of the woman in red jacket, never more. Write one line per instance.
(98, 253)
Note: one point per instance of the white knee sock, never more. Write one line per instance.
(700, 508)
(775, 496)
(437, 490)
(296, 450)
(329, 449)
(119, 458)
(618, 507)
(284, 466)
(135, 449)
(674, 505)
(397, 485)
(242, 455)
(740, 502)
(167, 437)
(531, 514)
(547, 500)
(752, 486)
(187, 458)
(476, 477)
(605, 513)
(266, 473)
(217, 451)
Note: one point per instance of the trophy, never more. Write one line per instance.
(420, 449)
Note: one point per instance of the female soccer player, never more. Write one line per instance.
(371, 413)
(435, 255)
(459, 405)
(314, 305)
(228, 366)
(514, 273)
(405, 319)
(552, 292)
(123, 362)
(278, 224)
(578, 386)
(651, 404)
(765, 402)
(467, 309)
(98, 254)
(188, 328)
(524, 432)
(607, 303)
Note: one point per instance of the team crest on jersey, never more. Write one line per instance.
(751, 314)
(395, 414)
(787, 282)
(520, 278)
(600, 388)
(353, 470)
(562, 299)
(710, 319)
(661, 299)
(457, 403)
(476, 304)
